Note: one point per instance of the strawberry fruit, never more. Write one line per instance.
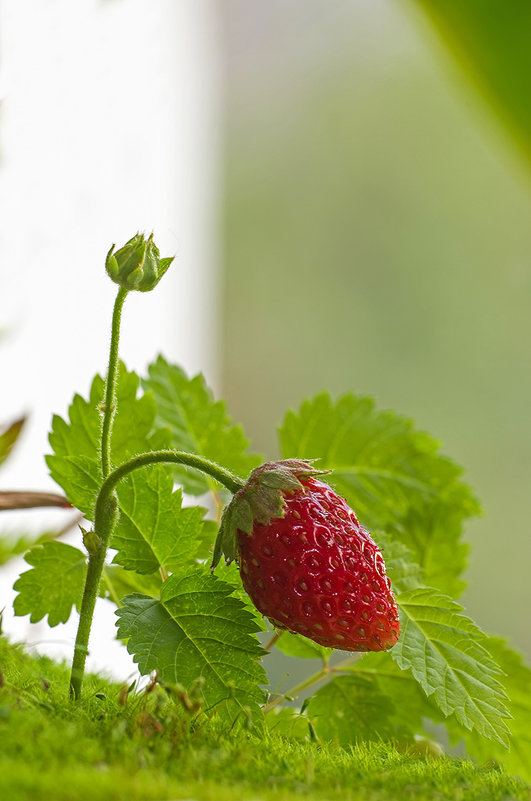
(306, 562)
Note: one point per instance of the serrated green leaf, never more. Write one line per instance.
(80, 477)
(75, 462)
(54, 584)
(351, 708)
(296, 645)
(445, 652)
(517, 683)
(392, 475)
(198, 424)
(197, 629)
(153, 530)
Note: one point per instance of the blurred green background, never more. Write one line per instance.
(377, 239)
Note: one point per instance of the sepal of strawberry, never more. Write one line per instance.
(261, 499)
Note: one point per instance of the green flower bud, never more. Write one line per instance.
(137, 265)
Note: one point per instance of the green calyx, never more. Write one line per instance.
(91, 541)
(137, 265)
(260, 501)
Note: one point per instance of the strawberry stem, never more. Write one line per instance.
(315, 678)
(274, 639)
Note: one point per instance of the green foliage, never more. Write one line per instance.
(197, 630)
(54, 584)
(198, 424)
(392, 475)
(446, 654)
(75, 462)
(153, 530)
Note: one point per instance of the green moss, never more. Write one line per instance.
(119, 745)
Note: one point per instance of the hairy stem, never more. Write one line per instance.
(90, 593)
(97, 555)
(110, 384)
(105, 516)
(224, 477)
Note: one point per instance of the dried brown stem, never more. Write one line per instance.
(31, 500)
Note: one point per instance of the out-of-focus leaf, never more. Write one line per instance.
(12, 545)
(8, 437)
(411, 704)
(492, 41)
(116, 583)
(350, 708)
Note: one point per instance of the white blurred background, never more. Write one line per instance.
(109, 125)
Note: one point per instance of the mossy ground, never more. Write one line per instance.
(143, 746)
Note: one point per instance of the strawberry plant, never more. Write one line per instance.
(379, 610)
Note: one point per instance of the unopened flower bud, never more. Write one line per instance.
(137, 265)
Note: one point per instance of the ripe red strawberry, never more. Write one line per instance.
(306, 562)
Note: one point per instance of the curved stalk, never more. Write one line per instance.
(224, 477)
